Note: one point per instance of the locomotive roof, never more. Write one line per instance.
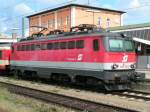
(70, 36)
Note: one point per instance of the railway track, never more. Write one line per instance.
(67, 101)
(134, 95)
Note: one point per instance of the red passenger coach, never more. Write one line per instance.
(4, 57)
(5, 52)
(90, 58)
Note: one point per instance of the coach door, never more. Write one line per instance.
(0, 54)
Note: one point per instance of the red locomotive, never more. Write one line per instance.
(84, 58)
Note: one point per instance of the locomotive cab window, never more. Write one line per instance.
(79, 44)
(96, 45)
(120, 45)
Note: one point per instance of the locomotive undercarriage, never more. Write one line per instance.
(111, 80)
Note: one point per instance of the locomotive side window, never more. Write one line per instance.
(56, 45)
(28, 48)
(79, 44)
(50, 46)
(43, 46)
(71, 44)
(32, 47)
(18, 48)
(63, 45)
(38, 47)
(96, 45)
(23, 48)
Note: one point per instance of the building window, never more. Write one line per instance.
(99, 21)
(108, 22)
(67, 21)
(61, 23)
(53, 24)
(44, 24)
(48, 23)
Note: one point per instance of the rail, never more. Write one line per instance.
(67, 101)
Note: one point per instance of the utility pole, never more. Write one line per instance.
(23, 27)
(88, 2)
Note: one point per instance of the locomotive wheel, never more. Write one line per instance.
(34, 76)
(80, 80)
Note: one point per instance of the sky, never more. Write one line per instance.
(12, 11)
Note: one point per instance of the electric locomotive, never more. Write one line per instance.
(86, 57)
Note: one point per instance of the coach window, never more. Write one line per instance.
(71, 44)
(63, 45)
(50, 46)
(43, 46)
(0, 54)
(96, 45)
(32, 47)
(56, 45)
(79, 44)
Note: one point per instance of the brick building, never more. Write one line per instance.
(67, 16)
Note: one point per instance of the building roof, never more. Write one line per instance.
(78, 5)
(134, 26)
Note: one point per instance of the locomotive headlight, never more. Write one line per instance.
(133, 66)
(114, 66)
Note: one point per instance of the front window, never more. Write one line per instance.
(128, 45)
(120, 45)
